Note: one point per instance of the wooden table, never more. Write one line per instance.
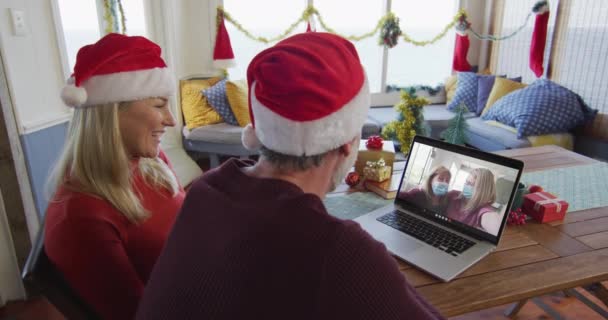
(531, 260)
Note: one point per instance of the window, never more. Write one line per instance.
(361, 18)
(411, 65)
(460, 177)
(80, 26)
(80, 22)
(406, 64)
(265, 18)
(511, 56)
(136, 17)
(575, 53)
(420, 158)
(581, 50)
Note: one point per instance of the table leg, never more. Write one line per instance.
(589, 303)
(513, 310)
(598, 290)
(547, 309)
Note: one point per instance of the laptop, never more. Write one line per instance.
(445, 237)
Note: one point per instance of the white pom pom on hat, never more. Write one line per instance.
(72, 95)
(250, 138)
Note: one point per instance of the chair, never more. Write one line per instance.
(41, 277)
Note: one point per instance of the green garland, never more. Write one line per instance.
(107, 16)
(123, 18)
(110, 15)
(311, 11)
(388, 25)
(410, 121)
(432, 91)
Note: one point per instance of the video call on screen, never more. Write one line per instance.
(455, 187)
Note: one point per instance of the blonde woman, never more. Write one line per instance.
(433, 194)
(115, 197)
(474, 205)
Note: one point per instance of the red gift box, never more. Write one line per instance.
(544, 207)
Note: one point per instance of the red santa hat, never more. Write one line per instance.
(118, 68)
(307, 95)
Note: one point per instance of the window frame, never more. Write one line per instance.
(101, 25)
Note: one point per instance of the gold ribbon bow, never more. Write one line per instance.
(376, 164)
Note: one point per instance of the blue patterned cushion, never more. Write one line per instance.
(541, 108)
(216, 96)
(466, 92)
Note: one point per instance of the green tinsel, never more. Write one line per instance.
(455, 133)
(410, 120)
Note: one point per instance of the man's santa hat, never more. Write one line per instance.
(118, 68)
(307, 95)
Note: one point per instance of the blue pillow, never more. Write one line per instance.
(216, 96)
(466, 92)
(543, 107)
(484, 87)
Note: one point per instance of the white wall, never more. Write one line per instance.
(33, 66)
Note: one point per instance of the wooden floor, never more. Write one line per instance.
(569, 308)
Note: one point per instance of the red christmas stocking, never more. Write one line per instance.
(539, 39)
(223, 57)
(461, 49)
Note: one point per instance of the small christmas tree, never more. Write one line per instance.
(455, 133)
(410, 120)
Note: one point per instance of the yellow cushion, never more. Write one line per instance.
(450, 88)
(197, 111)
(564, 140)
(501, 125)
(236, 91)
(501, 88)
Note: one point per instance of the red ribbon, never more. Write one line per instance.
(374, 142)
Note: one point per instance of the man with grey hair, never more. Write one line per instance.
(255, 240)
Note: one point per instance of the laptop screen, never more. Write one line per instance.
(457, 186)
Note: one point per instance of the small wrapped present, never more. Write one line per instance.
(377, 171)
(544, 207)
(384, 150)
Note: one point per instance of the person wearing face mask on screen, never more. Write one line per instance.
(433, 194)
(474, 205)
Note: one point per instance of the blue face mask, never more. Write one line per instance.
(467, 191)
(440, 188)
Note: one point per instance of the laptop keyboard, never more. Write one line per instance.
(429, 233)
